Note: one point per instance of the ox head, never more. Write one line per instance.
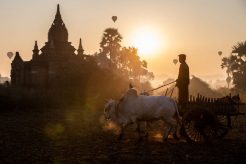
(109, 107)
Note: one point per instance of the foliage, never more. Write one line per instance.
(122, 61)
(110, 44)
(235, 65)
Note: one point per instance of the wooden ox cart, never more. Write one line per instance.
(205, 119)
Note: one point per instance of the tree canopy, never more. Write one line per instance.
(235, 65)
(123, 61)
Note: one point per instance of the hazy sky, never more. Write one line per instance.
(199, 28)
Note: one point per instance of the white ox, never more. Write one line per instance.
(134, 108)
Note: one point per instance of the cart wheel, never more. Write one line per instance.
(199, 126)
(223, 126)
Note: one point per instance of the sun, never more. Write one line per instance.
(147, 41)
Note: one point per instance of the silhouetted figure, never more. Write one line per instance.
(6, 83)
(183, 81)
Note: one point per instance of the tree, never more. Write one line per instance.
(110, 44)
(121, 61)
(235, 65)
(131, 63)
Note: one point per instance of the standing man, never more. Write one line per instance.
(183, 81)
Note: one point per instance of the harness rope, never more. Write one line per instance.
(161, 86)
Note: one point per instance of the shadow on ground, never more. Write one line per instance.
(77, 136)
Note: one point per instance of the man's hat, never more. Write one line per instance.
(182, 56)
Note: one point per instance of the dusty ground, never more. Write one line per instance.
(79, 136)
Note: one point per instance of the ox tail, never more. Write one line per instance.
(177, 115)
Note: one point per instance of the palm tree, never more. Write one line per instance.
(236, 65)
(240, 48)
(110, 44)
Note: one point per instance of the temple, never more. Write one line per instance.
(49, 62)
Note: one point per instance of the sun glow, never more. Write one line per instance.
(147, 41)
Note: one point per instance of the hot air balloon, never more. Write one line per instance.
(175, 61)
(10, 54)
(114, 18)
(220, 53)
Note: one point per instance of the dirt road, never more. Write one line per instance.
(79, 136)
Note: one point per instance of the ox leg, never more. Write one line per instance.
(174, 129)
(147, 126)
(145, 132)
(175, 135)
(138, 131)
(120, 136)
(121, 132)
(138, 127)
(165, 135)
(172, 124)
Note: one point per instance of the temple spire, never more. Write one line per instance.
(58, 19)
(58, 31)
(17, 58)
(58, 9)
(36, 47)
(80, 49)
(35, 50)
(58, 14)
